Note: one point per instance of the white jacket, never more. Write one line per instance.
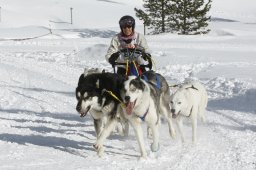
(117, 44)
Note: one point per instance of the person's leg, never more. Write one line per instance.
(121, 71)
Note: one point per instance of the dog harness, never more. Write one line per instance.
(192, 87)
(132, 69)
(114, 96)
(144, 116)
(190, 112)
(158, 82)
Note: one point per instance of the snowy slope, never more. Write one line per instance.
(40, 128)
(86, 13)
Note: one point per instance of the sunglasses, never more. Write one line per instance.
(126, 26)
(126, 23)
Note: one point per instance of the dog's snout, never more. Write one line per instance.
(173, 110)
(127, 98)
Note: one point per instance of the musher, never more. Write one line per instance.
(128, 39)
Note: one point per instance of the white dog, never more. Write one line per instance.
(190, 100)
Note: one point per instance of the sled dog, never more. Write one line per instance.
(145, 97)
(190, 100)
(97, 93)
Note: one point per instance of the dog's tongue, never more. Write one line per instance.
(129, 107)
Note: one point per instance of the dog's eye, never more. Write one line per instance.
(179, 102)
(133, 89)
(78, 95)
(87, 98)
(171, 102)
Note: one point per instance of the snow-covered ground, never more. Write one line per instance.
(40, 128)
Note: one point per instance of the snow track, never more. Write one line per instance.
(38, 121)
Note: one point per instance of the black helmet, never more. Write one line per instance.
(127, 20)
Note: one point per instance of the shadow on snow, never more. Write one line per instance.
(59, 143)
(245, 103)
(242, 103)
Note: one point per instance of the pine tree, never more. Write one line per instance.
(144, 17)
(189, 16)
(155, 14)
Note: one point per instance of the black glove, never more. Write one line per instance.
(113, 58)
(146, 56)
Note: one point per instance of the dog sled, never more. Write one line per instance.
(101, 94)
(131, 62)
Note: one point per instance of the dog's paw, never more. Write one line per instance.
(97, 146)
(126, 132)
(120, 130)
(143, 157)
(154, 147)
(172, 133)
(126, 129)
(108, 108)
(194, 140)
(99, 149)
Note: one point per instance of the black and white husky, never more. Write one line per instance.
(98, 93)
(145, 99)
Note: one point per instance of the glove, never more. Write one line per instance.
(113, 58)
(150, 64)
(146, 56)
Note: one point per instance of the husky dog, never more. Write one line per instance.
(98, 93)
(144, 99)
(190, 100)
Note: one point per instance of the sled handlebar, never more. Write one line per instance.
(132, 51)
(124, 64)
(131, 54)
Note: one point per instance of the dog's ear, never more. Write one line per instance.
(81, 78)
(97, 84)
(103, 71)
(85, 71)
(138, 83)
(142, 85)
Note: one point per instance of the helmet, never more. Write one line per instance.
(127, 20)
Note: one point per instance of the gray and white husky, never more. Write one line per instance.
(145, 98)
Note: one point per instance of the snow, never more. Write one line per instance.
(40, 128)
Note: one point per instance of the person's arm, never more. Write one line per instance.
(146, 54)
(113, 48)
(143, 42)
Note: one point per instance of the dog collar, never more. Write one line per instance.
(192, 87)
(144, 116)
(190, 112)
